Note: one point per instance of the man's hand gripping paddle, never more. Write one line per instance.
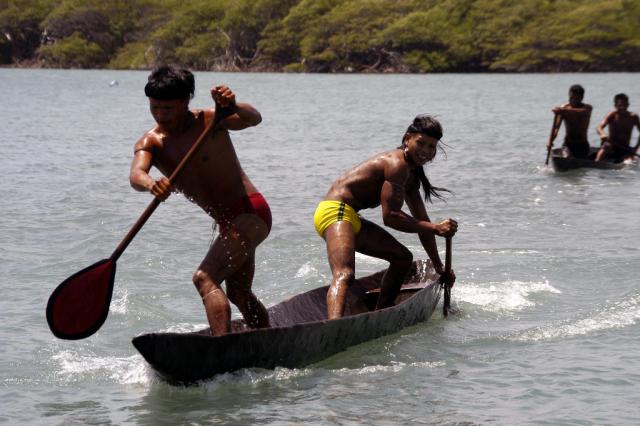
(78, 307)
(447, 281)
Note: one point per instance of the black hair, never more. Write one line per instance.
(577, 89)
(168, 83)
(429, 126)
(621, 97)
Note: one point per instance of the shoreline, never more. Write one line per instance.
(262, 70)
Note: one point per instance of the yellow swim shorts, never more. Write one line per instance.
(329, 212)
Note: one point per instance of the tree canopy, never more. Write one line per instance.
(324, 35)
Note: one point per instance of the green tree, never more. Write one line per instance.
(72, 52)
(20, 32)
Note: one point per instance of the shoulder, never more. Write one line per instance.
(396, 168)
(148, 142)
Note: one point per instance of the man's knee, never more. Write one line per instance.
(344, 276)
(201, 279)
(403, 259)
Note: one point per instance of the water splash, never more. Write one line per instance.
(615, 316)
(120, 303)
(502, 296)
(124, 370)
(394, 367)
(306, 270)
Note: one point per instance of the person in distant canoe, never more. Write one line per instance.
(215, 181)
(387, 179)
(576, 116)
(617, 145)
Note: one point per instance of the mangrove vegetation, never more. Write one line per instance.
(324, 35)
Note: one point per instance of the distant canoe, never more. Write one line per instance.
(563, 164)
(300, 333)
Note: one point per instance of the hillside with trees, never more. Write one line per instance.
(324, 35)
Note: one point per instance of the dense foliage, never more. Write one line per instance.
(324, 35)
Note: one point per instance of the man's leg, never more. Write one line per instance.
(340, 240)
(228, 253)
(239, 292)
(373, 240)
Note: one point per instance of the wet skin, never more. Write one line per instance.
(215, 181)
(388, 180)
(576, 116)
(621, 123)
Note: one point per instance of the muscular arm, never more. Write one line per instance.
(557, 122)
(139, 177)
(244, 116)
(568, 109)
(600, 129)
(392, 198)
(427, 239)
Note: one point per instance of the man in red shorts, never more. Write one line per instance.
(215, 181)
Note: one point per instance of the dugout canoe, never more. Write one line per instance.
(562, 164)
(300, 333)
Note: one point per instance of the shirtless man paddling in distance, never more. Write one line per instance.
(617, 145)
(576, 116)
(214, 180)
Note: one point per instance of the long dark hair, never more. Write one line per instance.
(429, 126)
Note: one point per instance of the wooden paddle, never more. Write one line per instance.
(553, 127)
(446, 280)
(78, 307)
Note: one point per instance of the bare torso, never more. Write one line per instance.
(213, 178)
(361, 186)
(621, 126)
(576, 126)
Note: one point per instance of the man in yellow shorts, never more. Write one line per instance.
(388, 179)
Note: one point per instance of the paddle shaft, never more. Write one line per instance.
(553, 128)
(447, 259)
(447, 285)
(220, 114)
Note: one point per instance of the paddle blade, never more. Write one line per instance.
(80, 304)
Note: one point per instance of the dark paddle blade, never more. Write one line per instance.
(80, 304)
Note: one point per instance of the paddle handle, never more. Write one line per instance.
(220, 114)
(447, 258)
(553, 127)
(446, 305)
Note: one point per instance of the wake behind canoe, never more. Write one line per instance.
(300, 333)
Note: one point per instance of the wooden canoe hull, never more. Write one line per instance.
(190, 357)
(563, 164)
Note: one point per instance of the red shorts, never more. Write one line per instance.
(249, 204)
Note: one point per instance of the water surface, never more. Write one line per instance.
(547, 263)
